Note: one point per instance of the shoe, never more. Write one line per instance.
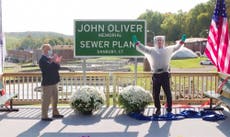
(169, 110)
(58, 116)
(158, 112)
(46, 119)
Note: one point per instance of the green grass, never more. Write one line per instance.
(187, 63)
(30, 68)
(140, 67)
(21, 67)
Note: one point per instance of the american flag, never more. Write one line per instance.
(217, 48)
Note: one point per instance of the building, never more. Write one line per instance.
(66, 51)
(197, 45)
(19, 56)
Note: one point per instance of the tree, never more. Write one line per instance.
(173, 25)
(202, 21)
(153, 20)
(198, 19)
(28, 43)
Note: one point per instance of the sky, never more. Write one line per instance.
(59, 15)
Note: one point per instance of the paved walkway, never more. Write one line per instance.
(108, 122)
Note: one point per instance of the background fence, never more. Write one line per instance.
(186, 87)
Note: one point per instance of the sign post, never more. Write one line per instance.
(96, 38)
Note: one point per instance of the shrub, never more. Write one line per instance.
(87, 99)
(134, 99)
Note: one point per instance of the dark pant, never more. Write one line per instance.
(158, 81)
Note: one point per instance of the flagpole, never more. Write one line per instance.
(1, 44)
(1, 40)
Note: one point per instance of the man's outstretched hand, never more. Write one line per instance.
(183, 38)
(134, 39)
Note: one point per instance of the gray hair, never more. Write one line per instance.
(162, 37)
(45, 45)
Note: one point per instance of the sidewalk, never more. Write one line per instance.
(108, 122)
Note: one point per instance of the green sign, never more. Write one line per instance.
(108, 38)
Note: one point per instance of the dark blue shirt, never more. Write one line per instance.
(50, 74)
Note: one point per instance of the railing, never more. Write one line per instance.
(186, 87)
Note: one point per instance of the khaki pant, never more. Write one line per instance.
(49, 94)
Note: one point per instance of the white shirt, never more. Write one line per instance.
(158, 58)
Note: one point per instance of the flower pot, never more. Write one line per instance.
(87, 99)
(87, 112)
(134, 99)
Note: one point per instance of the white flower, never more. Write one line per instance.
(134, 98)
(87, 99)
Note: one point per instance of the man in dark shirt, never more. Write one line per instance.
(49, 64)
